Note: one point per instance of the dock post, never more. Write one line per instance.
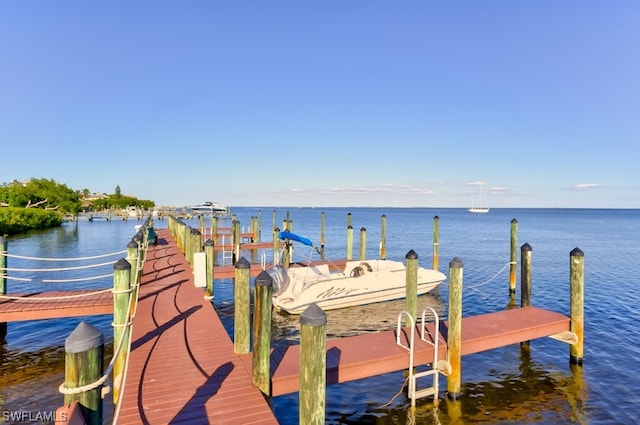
(121, 295)
(261, 372)
(313, 369)
(436, 242)
(322, 223)
(525, 283)
(512, 258)
(83, 363)
(454, 332)
(242, 309)
(577, 305)
(349, 242)
(412, 284)
(349, 219)
(214, 229)
(133, 258)
(201, 221)
(363, 244)
(236, 241)
(276, 245)
(210, 261)
(383, 237)
(525, 275)
(3, 281)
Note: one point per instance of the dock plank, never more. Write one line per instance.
(55, 304)
(182, 366)
(367, 355)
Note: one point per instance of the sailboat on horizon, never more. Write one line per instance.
(483, 208)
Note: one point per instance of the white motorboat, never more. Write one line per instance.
(359, 283)
(209, 208)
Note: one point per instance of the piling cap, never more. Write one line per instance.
(526, 247)
(132, 244)
(456, 263)
(577, 252)
(122, 264)
(242, 263)
(208, 242)
(263, 279)
(313, 316)
(85, 337)
(195, 231)
(411, 255)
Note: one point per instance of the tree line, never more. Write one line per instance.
(42, 203)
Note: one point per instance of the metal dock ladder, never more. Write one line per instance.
(437, 367)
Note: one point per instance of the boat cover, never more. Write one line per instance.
(292, 236)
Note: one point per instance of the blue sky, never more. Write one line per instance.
(334, 103)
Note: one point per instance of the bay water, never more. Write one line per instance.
(506, 385)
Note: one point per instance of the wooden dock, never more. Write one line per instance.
(182, 368)
(372, 354)
(55, 304)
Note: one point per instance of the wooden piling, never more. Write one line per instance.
(242, 308)
(454, 331)
(525, 283)
(322, 229)
(436, 242)
(121, 294)
(512, 257)
(313, 361)
(383, 237)
(412, 284)
(3, 266)
(3, 281)
(363, 244)
(349, 242)
(525, 275)
(236, 241)
(261, 372)
(577, 305)
(210, 258)
(83, 364)
(276, 245)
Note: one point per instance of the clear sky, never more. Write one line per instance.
(332, 103)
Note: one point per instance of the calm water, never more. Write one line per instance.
(499, 386)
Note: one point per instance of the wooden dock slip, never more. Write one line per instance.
(55, 304)
(182, 368)
(367, 355)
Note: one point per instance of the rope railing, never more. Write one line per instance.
(137, 260)
(491, 279)
(58, 269)
(57, 297)
(24, 257)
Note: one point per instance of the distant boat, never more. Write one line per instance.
(209, 207)
(483, 208)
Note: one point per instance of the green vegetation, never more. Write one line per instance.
(42, 203)
(19, 220)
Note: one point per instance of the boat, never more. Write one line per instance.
(209, 208)
(358, 283)
(483, 208)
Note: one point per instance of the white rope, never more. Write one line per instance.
(492, 278)
(92, 386)
(61, 259)
(60, 297)
(59, 269)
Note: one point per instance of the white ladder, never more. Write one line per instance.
(437, 366)
(226, 254)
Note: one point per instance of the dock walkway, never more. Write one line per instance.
(182, 368)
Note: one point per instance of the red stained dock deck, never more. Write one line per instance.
(55, 304)
(182, 368)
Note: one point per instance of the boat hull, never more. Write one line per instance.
(360, 283)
